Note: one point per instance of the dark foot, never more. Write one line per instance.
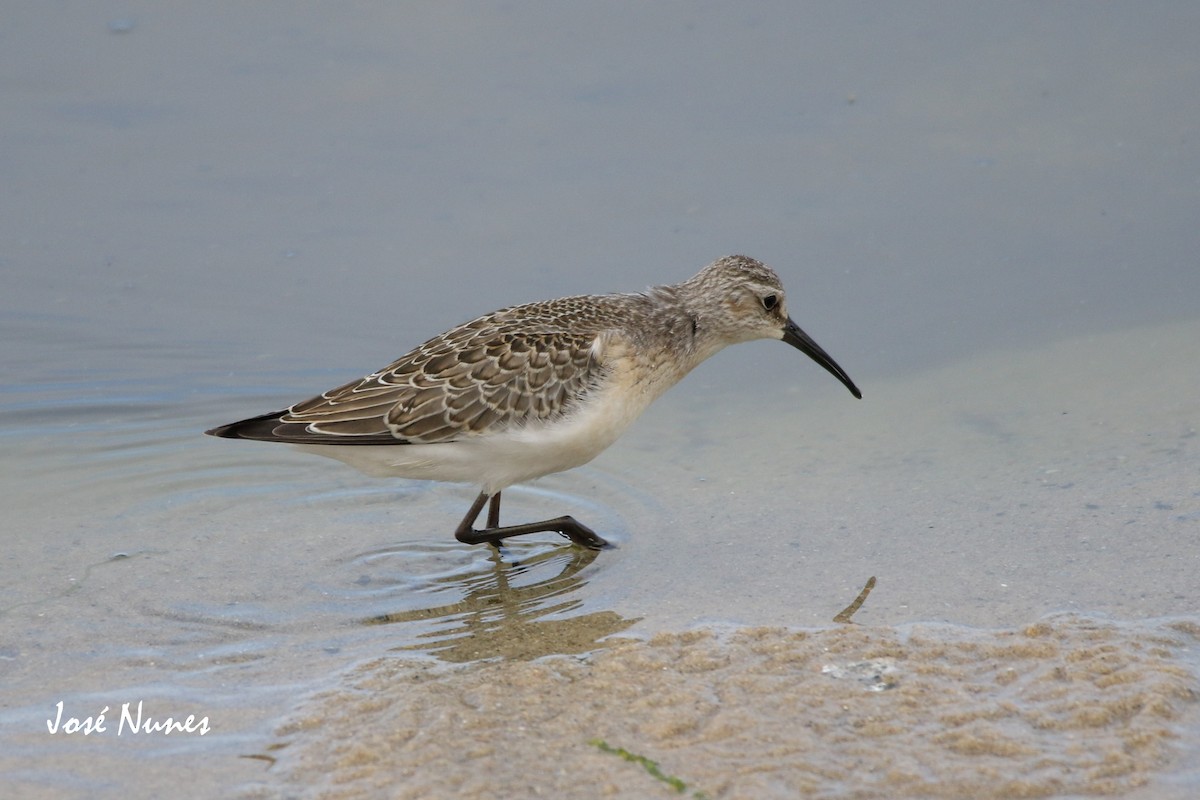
(577, 532)
(494, 533)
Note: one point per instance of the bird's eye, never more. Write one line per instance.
(770, 301)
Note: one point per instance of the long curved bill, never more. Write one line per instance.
(804, 343)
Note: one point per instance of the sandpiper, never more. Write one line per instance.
(534, 389)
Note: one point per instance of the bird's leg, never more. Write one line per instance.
(494, 520)
(494, 511)
(465, 532)
(569, 527)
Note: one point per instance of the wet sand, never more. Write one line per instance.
(1068, 706)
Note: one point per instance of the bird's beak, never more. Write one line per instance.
(804, 343)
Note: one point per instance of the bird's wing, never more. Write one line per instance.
(492, 374)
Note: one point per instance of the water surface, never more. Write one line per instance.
(986, 214)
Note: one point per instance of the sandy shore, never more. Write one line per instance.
(987, 494)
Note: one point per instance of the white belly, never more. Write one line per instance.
(496, 461)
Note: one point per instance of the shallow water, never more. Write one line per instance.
(987, 216)
(249, 584)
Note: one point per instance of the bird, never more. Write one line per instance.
(535, 389)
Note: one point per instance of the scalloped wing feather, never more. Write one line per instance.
(497, 372)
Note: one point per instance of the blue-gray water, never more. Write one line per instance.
(986, 213)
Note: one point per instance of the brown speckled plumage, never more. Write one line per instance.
(535, 388)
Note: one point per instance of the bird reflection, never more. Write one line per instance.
(500, 617)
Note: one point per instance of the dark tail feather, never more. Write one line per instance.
(271, 428)
(261, 428)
